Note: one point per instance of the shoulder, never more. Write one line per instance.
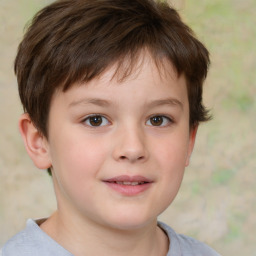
(15, 244)
(198, 248)
(32, 241)
(185, 245)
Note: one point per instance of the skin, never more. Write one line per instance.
(142, 129)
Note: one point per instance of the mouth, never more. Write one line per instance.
(129, 185)
(129, 180)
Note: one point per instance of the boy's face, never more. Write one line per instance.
(119, 149)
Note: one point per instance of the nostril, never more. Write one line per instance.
(131, 158)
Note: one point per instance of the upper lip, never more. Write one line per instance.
(127, 178)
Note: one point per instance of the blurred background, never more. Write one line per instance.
(217, 201)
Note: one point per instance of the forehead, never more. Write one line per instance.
(145, 80)
(125, 67)
(131, 67)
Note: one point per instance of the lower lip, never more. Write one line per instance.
(129, 190)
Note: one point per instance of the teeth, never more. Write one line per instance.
(134, 183)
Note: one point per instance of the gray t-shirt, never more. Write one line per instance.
(32, 241)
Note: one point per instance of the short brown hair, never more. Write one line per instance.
(73, 41)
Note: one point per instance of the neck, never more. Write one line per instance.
(85, 238)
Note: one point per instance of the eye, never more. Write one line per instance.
(159, 121)
(96, 121)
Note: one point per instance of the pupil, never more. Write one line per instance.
(95, 120)
(156, 120)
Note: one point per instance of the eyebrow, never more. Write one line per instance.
(94, 101)
(168, 101)
(104, 103)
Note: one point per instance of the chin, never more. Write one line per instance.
(131, 222)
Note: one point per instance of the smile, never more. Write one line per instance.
(135, 183)
(129, 185)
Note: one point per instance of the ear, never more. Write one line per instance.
(36, 144)
(192, 139)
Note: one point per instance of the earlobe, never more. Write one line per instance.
(192, 139)
(35, 143)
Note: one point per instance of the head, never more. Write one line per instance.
(113, 93)
(70, 42)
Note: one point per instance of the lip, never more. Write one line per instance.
(129, 189)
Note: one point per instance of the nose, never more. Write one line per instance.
(130, 145)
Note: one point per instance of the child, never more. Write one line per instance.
(112, 93)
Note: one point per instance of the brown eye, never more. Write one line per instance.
(156, 120)
(96, 120)
(159, 121)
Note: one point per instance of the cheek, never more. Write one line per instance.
(76, 160)
(76, 167)
(77, 152)
(172, 152)
(171, 158)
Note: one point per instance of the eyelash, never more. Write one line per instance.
(87, 119)
(164, 120)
